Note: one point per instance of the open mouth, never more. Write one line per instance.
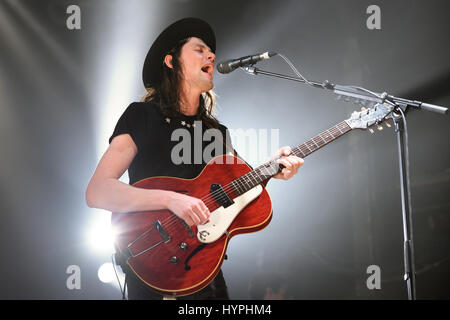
(209, 68)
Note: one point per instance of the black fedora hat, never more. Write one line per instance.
(168, 39)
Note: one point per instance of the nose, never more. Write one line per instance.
(211, 56)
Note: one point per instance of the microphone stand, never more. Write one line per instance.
(400, 108)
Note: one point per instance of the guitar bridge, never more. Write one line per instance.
(128, 252)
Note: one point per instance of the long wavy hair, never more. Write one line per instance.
(167, 92)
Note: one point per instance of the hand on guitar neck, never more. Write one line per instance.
(290, 163)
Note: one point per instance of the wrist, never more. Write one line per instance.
(165, 198)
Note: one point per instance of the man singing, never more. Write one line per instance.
(178, 77)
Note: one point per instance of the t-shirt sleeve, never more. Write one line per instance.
(131, 122)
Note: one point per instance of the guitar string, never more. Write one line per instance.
(173, 218)
(171, 222)
(209, 201)
(235, 184)
(210, 198)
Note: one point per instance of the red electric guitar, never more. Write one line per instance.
(175, 259)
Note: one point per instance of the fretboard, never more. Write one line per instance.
(271, 168)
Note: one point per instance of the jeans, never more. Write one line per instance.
(137, 290)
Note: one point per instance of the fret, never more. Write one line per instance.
(315, 143)
(306, 151)
(241, 182)
(306, 145)
(318, 141)
(245, 180)
(267, 172)
(237, 187)
(271, 168)
(254, 175)
(320, 135)
(335, 131)
(250, 179)
(332, 137)
(310, 146)
(297, 151)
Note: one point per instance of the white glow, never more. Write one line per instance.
(118, 71)
(106, 273)
(100, 234)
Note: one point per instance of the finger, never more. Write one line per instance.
(287, 173)
(194, 216)
(287, 164)
(299, 162)
(201, 213)
(285, 151)
(294, 162)
(189, 221)
(205, 209)
(282, 152)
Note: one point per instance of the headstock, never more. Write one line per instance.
(367, 118)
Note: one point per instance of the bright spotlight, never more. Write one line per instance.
(100, 233)
(106, 273)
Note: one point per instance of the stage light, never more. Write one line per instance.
(106, 273)
(100, 233)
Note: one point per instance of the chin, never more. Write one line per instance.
(208, 87)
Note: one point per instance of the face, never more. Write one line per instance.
(197, 65)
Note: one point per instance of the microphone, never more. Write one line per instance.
(229, 65)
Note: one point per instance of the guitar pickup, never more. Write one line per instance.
(220, 195)
(187, 228)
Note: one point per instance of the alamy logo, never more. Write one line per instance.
(374, 20)
(253, 145)
(74, 279)
(73, 22)
(374, 280)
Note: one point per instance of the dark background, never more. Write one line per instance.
(62, 91)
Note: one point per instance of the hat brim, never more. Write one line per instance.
(168, 39)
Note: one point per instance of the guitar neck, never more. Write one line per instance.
(271, 168)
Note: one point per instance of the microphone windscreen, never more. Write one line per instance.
(224, 67)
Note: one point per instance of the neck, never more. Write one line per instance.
(189, 102)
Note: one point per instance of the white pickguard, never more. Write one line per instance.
(221, 218)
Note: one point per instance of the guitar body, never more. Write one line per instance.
(175, 260)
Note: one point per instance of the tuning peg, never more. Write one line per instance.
(388, 125)
(380, 127)
(363, 108)
(371, 131)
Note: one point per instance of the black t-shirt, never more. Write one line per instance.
(157, 154)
